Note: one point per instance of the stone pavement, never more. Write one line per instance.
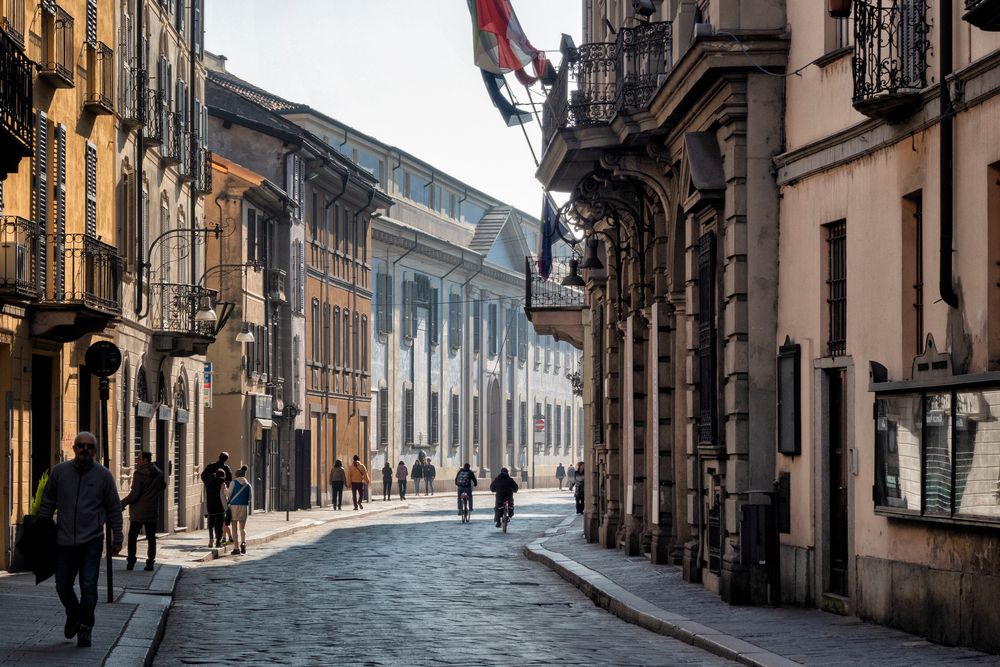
(656, 597)
(126, 633)
(415, 587)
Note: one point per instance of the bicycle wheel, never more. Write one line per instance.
(504, 520)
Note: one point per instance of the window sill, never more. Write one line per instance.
(913, 515)
(833, 56)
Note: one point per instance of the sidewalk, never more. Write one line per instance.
(129, 630)
(658, 599)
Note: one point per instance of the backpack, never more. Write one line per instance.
(464, 478)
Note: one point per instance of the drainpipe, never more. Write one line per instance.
(947, 157)
(363, 448)
(140, 151)
(193, 152)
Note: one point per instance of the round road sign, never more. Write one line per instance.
(103, 358)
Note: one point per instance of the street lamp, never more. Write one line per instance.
(245, 335)
(205, 311)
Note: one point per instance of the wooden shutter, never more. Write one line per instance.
(383, 416)
(91, 182)
(706, 339)
(477, 325)
(407, 313)
(197, 10)
(475, 420)
(510, 422)
(251, 234)
(435, 418)
(92, 23)
(455, 421)
(434, 317)
(42, 196)
(380, 284)
(408, 416)
(60, 192)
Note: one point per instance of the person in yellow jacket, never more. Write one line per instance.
(357, 475)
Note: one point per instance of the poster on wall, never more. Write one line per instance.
(206, 386)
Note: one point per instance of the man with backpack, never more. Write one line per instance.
(464, 481)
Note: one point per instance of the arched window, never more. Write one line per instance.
(315, 330)
(354, 342)
(143, 409)
(347, 338)
(326, 333)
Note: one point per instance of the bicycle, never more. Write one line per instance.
(505, 515)
(464, 500)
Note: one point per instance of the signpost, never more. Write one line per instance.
(539, 424)
(103, 359)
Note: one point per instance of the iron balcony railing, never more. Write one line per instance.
(984, 14)
(599, 80)
(276, 285)
(19, 258)
(83, 271)
(890, 55)
(203, 168)
(550, 293)
(13, 21)
(172, 309)
(59, 47)
(132, 96)
(16, 127)
(172, 142)
(156, 118)
(100, 97)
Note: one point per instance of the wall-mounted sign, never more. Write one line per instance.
(539, 424)
(206, 386)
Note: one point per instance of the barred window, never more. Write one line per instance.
(836, 241)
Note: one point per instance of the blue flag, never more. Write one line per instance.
(551, 225)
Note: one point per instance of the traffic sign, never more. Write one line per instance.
(103, 358)
(539, 423)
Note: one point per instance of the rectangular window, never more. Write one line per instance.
(91, 179)
(364, 344)
(557, 427)
(456, 422)
(524, 424)
(347, 338)
(708, 357)
(475, 420)
(913, 273)
(326, 333)
(408, 416)
(409, 324)
(522, 337)
(492, 324)
(335, 332)
(435, 418)
(548, 428)
(509, 430)
(477, 325)
(315, 331)
(454, 321)
(836, 242)
(13, 25)
(433, 324)
(383, 416)
(935, 453)
(567, 429)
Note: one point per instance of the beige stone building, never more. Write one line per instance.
(890, 207)
(790, 327)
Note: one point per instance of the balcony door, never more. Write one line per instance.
(836, 481)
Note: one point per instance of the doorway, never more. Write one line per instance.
(494, 429)
(260, 470)
(180, 438)
(164, 464)
(836, 481)
(41, 417)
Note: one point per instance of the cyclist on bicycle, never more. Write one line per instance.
(464, 481)
(504, 487)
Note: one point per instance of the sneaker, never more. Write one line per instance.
(150, 566)
(83, 637)
(71, 628)
(243, 548)
(235, 552)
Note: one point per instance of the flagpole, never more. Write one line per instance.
(534, 109)
(521, 123)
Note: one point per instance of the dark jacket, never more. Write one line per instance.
(429, 471)
(387, 475)
(560, 472)
(466, 478)
(505, 488)
(578, 489)
(213, 496)
(209, 472)
(85, 497)
(417, 471)
(144, 497)
(37, 546)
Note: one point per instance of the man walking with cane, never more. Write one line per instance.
(83, 492)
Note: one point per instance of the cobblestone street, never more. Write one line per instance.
(409, 587)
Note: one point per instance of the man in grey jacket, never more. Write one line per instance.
(82, 494)
(144, 497)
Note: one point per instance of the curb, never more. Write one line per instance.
(303, 524)
(144, 631)
(633, 609)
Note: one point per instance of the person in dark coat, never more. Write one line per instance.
(504, 487)
(578, 494)
(386, 481)
(144, 499)
(430, 472)
(215, 506)
(82, 494)
(464, 481)
(571, 477)
(560, 473)
(417, 474)
(209, 471)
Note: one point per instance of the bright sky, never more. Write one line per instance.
(399, 70)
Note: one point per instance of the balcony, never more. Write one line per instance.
(132, 97)
(984, 14)
(890, 56)
(58, 46)
(172, 152)
(172, 308)
(18, 259)
(155, 120)
(81, 279)
(554, 309)
(100, 96)
(276, 279)
(609, 78)
(16, 128)
(203, 171)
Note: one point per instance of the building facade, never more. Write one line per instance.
(161, 179)
(457, 372)
(60, 266)
(888, 186)
(325, 245)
